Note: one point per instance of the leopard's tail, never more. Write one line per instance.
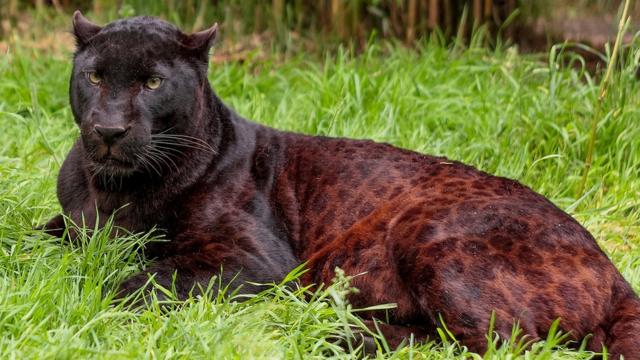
(622, 330)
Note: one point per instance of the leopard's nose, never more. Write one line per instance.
(110, 134)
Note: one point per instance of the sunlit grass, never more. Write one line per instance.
(522, 117)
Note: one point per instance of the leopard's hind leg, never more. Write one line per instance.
(622, 330)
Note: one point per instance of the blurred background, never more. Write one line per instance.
(251, 27)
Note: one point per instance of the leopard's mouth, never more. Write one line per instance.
(112, 161)
(113, 164)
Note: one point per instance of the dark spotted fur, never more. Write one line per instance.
(436, 237)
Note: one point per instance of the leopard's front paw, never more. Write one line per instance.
(139, 291)
(54, 227)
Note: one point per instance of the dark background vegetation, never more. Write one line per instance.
(294, 25)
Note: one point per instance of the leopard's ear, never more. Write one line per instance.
(83, 29)
(201, 41)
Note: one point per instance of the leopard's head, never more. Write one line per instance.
(139, 93)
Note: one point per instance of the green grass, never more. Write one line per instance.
(511, 115)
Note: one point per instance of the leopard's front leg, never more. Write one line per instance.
(235, 255)
(189, 274)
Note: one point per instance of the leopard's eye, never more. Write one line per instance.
(93, 78)
(153, 83)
